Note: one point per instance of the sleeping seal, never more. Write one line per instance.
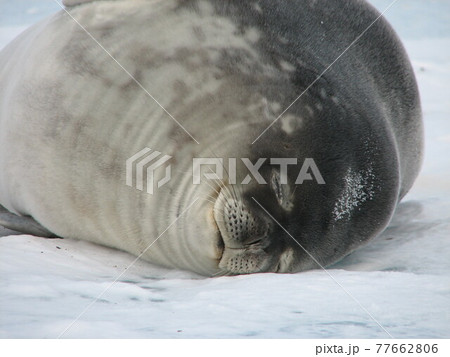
(265, 86)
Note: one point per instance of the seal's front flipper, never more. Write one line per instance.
(23, 224)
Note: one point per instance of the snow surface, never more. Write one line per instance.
(401, 279)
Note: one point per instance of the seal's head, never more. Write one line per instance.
(312, 201)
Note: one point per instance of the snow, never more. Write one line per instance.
(401, 279)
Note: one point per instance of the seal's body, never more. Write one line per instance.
(82, 93)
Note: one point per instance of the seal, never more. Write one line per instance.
(262, 86)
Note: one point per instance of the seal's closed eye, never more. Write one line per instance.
(282, 190)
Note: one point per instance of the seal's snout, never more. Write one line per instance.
(239, 226)
(246, 237)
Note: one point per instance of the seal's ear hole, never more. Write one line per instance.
(282, 190)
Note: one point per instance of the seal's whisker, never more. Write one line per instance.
(218, 193)
(231, 186)
(219, 208)
(240, 189)
(211, 198)
(233, 194)
(225, 197)
(227, 193)
(207, 199)
(223, 185)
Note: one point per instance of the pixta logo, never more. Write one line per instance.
(147, 161)
(141, 168)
